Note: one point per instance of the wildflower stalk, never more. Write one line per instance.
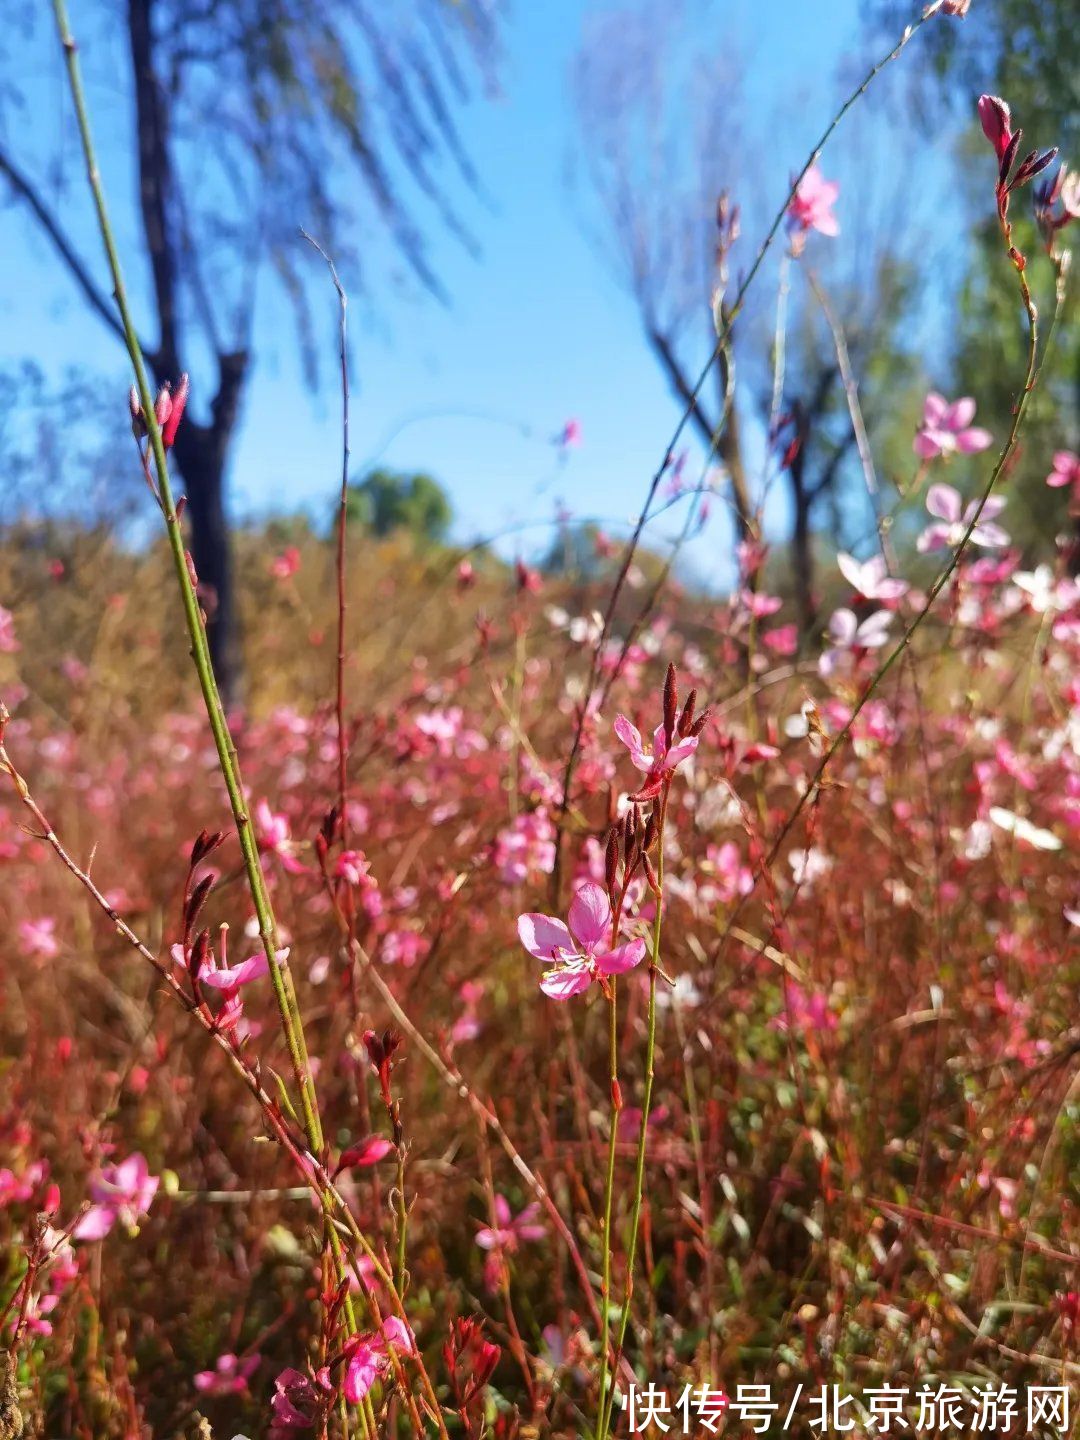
(723, 340)
(609, 1187)
(200, 650)
(342, 528)
(607, 1402)
(1032, 373)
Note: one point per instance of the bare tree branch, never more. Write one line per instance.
(95, 296)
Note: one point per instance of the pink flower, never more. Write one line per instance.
(295, 1404)
(368, 1355)
(947, 429)
(353, 866)
(272, 833)
(943, 502)
(229, 1376)
(580, 952)
(1066, 471)
(8, 642)
(661, 762)
(850, 635)
(811, 205)
(120, 1192)
(39, 937)
(870, 579)
(285, 565)
(229, 980)
(996, 121)
(510, 1230)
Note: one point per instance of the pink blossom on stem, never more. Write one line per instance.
(947, 429)
(870, 578)
(229, 1376)
(509, 1229)
(944, 503)
(1066, 470)
(230, 979)
(120, 1192)
(39, 937)
(367, 1356)
(659, 763)
(811, 206)
(578, 952)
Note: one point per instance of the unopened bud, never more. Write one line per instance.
(611, 859)
(996, 121)
(699, 724)
(671, 704)
(651, 877)
(686, 719)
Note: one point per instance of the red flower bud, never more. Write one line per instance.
(171, 423)
(996, 122)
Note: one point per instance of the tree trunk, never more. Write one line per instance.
(201, 454)
(211, 553)
(801, 543)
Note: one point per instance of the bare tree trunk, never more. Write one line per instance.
(728, 445)
(201, 453)
(801, 543)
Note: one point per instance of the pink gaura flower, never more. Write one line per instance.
(1066, 471)
(870, 578)
(947, 429)
(659, 763)
(811, 206)
(579, 952)
(509, 1230)
(229, 1376)
(120, 1192)
(229, 979)
(39, 937)
(367, 1356)
(850, 636)
(943, 502)
(296, 1403)
(272, 833)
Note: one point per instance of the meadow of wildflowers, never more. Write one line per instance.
(540, 991)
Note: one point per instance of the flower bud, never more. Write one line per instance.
(996, 122)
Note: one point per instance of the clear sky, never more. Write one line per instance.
(536, 330)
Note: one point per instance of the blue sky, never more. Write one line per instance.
(537, 329)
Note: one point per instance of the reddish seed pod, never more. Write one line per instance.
(671, 703)
(616, 1096)
(651, 829)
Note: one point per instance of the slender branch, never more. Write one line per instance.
(95, 296)
(343, 517)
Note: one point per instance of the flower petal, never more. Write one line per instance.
(943, 502)
(542, 935)
(590, 915)
(563, 983)
(622, 958)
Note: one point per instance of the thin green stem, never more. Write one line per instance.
(609, 1193)
(200, 650)
(607, 1402)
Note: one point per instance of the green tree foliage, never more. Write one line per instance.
(1027, 52)
(386, 500)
